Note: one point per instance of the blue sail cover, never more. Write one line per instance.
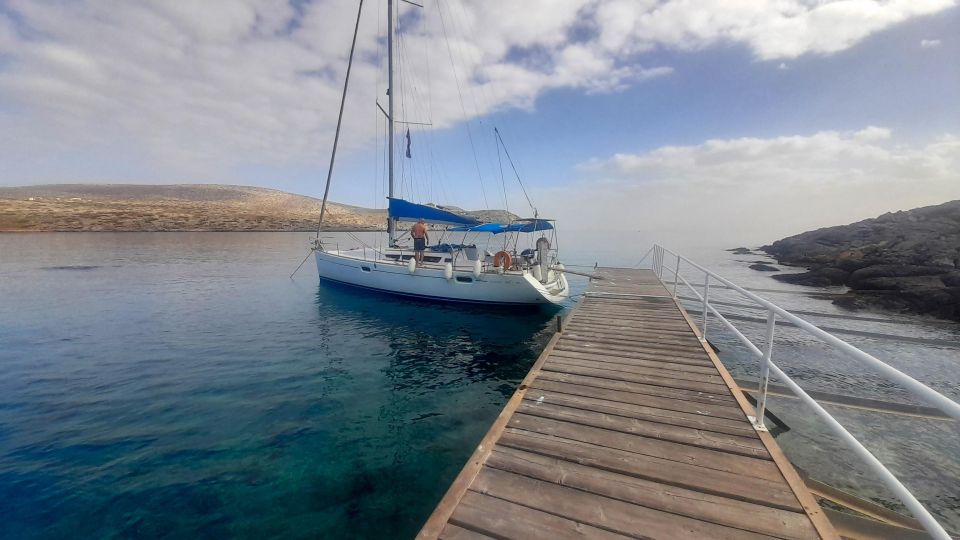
(526, 226)
(406, 210)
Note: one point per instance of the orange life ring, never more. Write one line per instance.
(502, 257)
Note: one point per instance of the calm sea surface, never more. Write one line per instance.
(180, 385)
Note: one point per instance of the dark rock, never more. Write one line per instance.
(740, 251)
(906, 261)
(762, 267)
(894, 271)
(898, 283)
(818, 277)
(952, 279)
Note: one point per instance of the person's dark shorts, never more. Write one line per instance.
(419, 244)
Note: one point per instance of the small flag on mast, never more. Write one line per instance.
(408, 142)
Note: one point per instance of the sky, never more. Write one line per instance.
(737, 121)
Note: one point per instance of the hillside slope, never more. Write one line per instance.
(177, 207)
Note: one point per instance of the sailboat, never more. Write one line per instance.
(474, 262)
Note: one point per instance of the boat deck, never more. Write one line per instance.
(627, 426)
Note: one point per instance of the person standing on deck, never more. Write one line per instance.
(420, 238)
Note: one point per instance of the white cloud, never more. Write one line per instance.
(773, 29)
(195, 88)
(757, 190)
(929, 43)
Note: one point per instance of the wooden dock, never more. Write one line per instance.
(627, 426)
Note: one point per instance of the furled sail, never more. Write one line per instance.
(406, 210)
(526, 225)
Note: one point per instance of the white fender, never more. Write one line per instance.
(477, 268)
(412, 265)
(537, 272)
(448, 271)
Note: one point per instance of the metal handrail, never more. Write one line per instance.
(767, 367)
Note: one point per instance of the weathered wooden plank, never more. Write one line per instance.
(708, 388)
(635, 322)
(669, 313)
(453, 532)
(624, 327)
(601, 347)
(632, 436)
(639, 370)
(717, 404)
(658, 363)
(640, 338)
(685, 502)
(649, 310)
(664, 471)
(660, 398)
(651, 429)
(620, 347)
(599, 511)
(662, 334)
(594, 346)
(685, 338)
(640, 355)
(642, 412)
(502, 519)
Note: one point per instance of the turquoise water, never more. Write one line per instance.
(180, 385)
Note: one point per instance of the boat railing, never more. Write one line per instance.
(663, 260)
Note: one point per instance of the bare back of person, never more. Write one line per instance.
(420, 237)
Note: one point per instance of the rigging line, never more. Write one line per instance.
(507, 152)
(336, 136)
(429, 107)
(503, 183)
(301, 263)
(408, 102)
(458, 20)
(463, 108)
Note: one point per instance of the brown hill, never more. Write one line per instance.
(177, 207)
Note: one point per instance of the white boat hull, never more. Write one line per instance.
(430, 282)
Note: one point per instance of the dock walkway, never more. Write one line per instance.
(627, 426)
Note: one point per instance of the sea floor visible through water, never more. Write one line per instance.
(181, 385)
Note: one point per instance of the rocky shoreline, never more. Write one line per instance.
(906, 261)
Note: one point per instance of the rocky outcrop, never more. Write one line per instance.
(763, 267)
(908, 261)
(180, 207)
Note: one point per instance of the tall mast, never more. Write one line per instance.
(391, 223)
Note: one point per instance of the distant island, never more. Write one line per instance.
(182, 207)
(907, 261)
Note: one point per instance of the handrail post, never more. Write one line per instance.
(765, 373)
(706, 293)
(660, 264)
(676, 278)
